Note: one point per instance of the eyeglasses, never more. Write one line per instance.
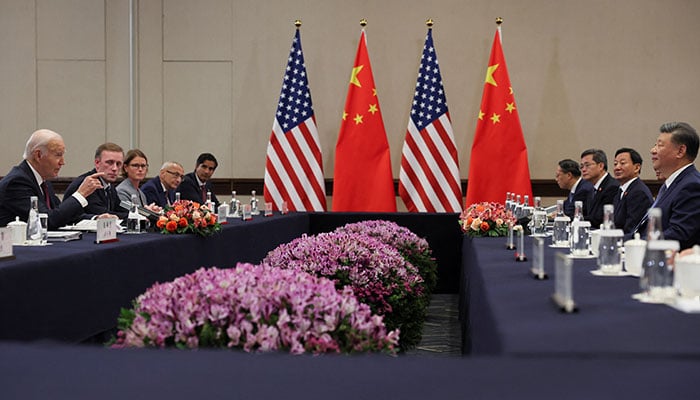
(139, 166)
(586, 165)
(177, 175)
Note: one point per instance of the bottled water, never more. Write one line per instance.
(133, 223)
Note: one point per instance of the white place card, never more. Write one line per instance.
(537, 268)
(106, 230)
(268, 209)
(6, 244)
(563, 284)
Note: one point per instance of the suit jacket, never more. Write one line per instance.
(680, 209)
(607, 190)
(583, 190)
(100, 201)
(19, 185)
(153, 190)
(125, 189)
(632, 206)
(189, 189)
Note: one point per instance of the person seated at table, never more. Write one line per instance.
(673, 158)
(195, 185)
(43, 159)
(634, 198)
(161, 189)
(594, 169)
(109, 158)
(134, 171)
(568, 177)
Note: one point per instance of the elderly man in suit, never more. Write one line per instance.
(109, 158)
(568, 177)
(161, 189)
(594, 169)
(634, 198)
(673, 157)
(43, 159)
(195, 185)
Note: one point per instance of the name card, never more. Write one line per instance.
(285, 208)
(563, 295)
(268, 209)
(537, 268)
(246, 213)
(106, 230)
(6, 244)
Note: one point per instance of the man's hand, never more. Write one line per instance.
(90, 184)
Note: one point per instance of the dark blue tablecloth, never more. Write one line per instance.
(507, 312)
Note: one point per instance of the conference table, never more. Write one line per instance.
(516, 342)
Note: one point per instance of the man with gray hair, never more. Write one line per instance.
(161, 189)
(43, 159)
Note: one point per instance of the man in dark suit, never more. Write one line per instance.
(634, 198)
(43, 159)
(109, 158)
(161, 189)
(195, 185)
(568, 177)
(673, 156)
(594, 169)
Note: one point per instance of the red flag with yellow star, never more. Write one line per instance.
(362, 180)
(498, 161)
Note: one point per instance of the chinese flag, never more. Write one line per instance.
(498, 162)
(362, 180)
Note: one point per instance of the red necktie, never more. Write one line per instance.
(45, 189)
(204, 194)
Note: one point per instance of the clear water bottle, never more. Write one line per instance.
(608, 216)
(539, 218)
(34, 232)
(652, 256)
(578, 210)
(210, 204)
(234, 205)
(254, 204)
(133, 223)
(508, 201)
(518, 207)
(177, 196)
(560, 232)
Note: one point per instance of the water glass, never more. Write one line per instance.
(580, 232)
(609, 256)
(560, 233)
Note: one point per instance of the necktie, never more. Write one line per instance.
(45, 189)
(108, 196)
(641, 223)
(204, 193)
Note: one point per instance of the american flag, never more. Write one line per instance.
(429, 176)
(294, 166)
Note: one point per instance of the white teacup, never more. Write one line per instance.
(634, 255)
(687, 274)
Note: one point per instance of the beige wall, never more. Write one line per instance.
(587, 73)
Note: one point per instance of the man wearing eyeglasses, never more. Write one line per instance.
(594, 169)
(197, 184)
(109, 158)
(161, 189)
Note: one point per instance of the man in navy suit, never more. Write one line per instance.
(568, 177)
(594, 169)
(43, 159)
(673, 156)
(109, 158)
(634, 198)
(195, 185)
(161, 189)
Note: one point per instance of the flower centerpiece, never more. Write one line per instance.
(486, 219)
(413, 248)
(254, 308)
(377, 273)
(187, 216)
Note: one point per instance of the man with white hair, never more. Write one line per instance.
(43, 159)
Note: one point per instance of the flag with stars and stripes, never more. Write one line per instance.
(362, 179)
(498, 161)
(294, 166)
(429, 175)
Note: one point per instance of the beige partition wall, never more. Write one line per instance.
(207, 74)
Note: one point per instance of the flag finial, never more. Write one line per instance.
(297, 23)
(429, 22)
(499, 21)
(363, 22)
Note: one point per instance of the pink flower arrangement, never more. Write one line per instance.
(377, 273)
(256, 308)
(486, 219)
(187, 216)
